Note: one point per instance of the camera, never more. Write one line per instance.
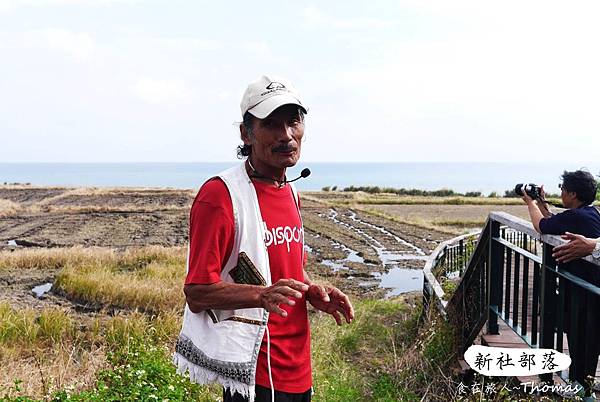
(532, 190)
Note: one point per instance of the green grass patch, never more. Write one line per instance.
(140, 372)
(382, 356)
(387, 389)
(439, 347)
(137, 349)
(449, 287)
(358, 361)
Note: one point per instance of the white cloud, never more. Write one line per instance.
(493, 76)
(12, 4)
(79, 45)
(160, 91)
(529, 70)
(224, 95)
(260, 49)
(189, 43)
(313, 15)
(450, 75)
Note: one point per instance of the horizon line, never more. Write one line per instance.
(302, 162)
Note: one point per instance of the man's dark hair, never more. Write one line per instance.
(244, 150)
(582, 183)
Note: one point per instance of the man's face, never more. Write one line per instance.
(569, 199)
(276, 139)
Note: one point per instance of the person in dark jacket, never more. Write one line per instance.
(578, 192)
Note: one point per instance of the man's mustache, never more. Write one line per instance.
(283, 148)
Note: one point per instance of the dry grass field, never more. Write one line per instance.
(455, 218)
(112, 336)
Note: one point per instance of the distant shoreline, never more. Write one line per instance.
(461, 177)
(400, 192)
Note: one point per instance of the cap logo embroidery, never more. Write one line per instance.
(275, 85)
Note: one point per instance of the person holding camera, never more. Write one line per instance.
(579, 221)
(578, 192)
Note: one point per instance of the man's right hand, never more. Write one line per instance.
(526, 196)
(577, 247)
(281, 292)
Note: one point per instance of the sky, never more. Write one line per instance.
(161, 81)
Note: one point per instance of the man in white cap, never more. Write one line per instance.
(245, 322)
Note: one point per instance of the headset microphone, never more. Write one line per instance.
(303, 175)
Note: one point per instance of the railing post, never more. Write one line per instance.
(591, 358)
(427, 297)
(495, 277)
(547, 303)
(581, 334)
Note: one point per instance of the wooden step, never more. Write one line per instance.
(463, 370)
(507, 338)
(464, 366)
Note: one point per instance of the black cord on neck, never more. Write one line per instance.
(280, 183)
(256, 174)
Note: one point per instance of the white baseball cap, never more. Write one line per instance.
(267, 94)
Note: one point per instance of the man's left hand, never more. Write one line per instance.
(332, 301)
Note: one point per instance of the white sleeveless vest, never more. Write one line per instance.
(221, 346)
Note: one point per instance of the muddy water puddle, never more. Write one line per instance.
(400, 280)
(399, 269)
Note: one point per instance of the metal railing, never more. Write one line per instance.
(511, 276)
(447, 261)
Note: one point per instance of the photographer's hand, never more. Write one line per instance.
(543, 204)
(526, 196)
(534, 211)
(542, 193)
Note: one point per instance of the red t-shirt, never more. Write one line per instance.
(211, 240)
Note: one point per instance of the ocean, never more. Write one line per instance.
(458, 176)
